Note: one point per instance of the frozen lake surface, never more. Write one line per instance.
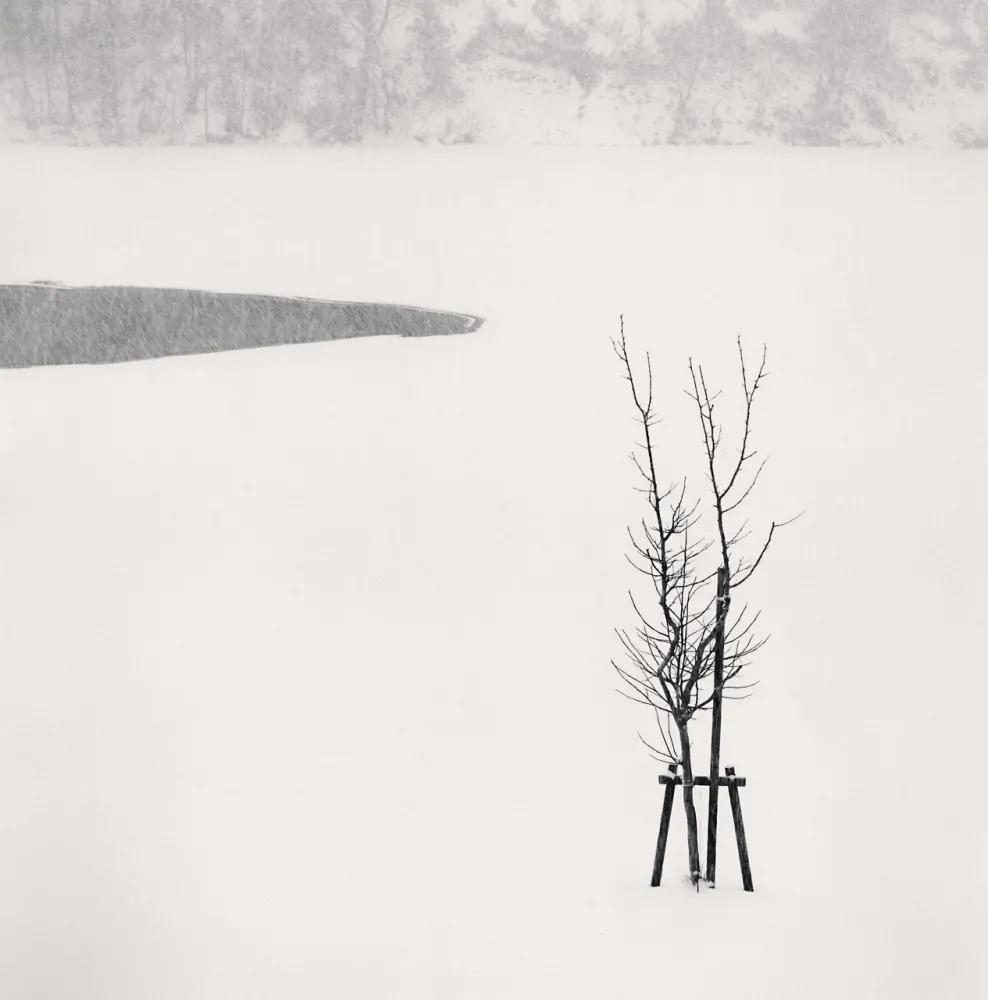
(305, 652)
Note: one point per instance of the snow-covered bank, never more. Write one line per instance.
(305, 651)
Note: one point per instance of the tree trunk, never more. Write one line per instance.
(66, 72)
(691, 835)
(50, 105)
(27, 97)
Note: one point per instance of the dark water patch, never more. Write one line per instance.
(47, 324)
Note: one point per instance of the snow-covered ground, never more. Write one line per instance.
(305, 650)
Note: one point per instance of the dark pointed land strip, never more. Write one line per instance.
(45, 324)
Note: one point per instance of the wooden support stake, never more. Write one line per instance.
(660, 847)
(732, 789)
(723, 606)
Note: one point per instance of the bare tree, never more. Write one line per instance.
(683, 655)
(731, 484)
(370, 21)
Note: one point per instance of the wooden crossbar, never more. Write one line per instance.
(702, 779)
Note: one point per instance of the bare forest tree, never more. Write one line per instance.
(686, 652)
(806, 71)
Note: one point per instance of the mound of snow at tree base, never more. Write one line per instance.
(306, 684)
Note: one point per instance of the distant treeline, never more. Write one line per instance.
(642, 71)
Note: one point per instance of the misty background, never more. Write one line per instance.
(805, 72)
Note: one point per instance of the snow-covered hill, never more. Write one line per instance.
(305, 650)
